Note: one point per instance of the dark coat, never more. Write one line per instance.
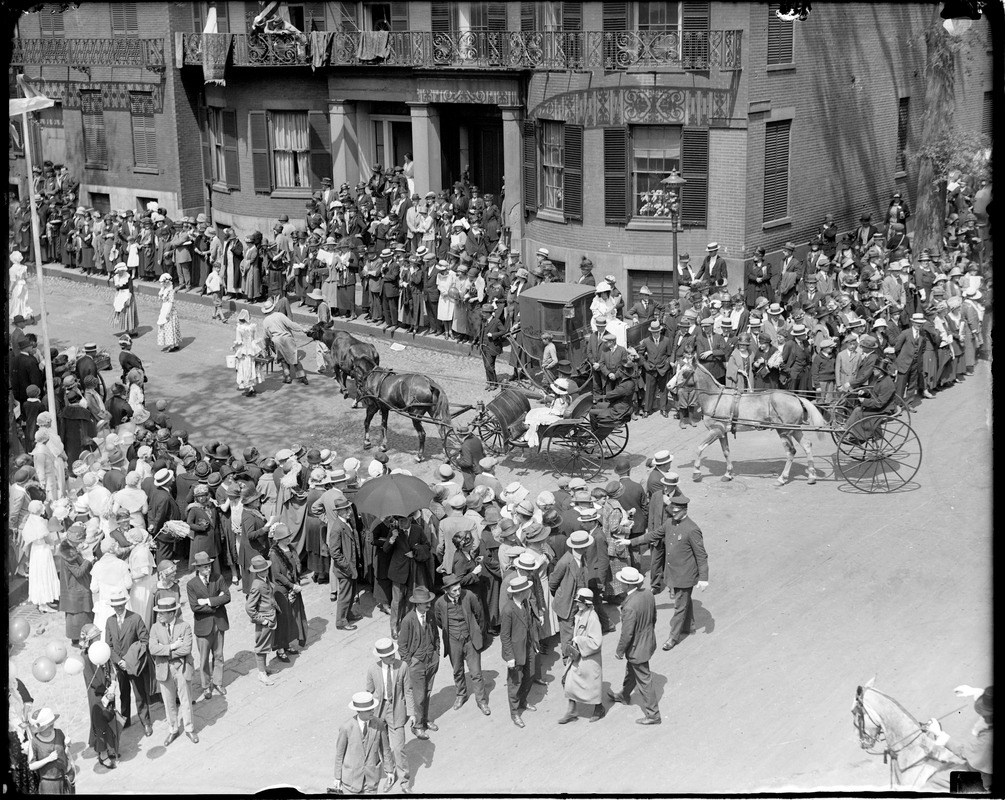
(565, 580)
(74, 580)
(635, 497)
(471, 609)
(409, 634)
(214, 616)
(638, 627)
(344, 548)
(686, 559)
(519, 632)
(162, 508)
(133, 636)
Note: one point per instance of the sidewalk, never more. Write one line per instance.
(301, 314)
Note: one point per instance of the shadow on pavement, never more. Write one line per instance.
(703, 619)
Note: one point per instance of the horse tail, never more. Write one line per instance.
(441, 405)
(374, 355)
(814, 419)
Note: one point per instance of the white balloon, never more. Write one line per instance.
(73, 665)
(99, 653)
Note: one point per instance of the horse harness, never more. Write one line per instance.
(867, 741)
(386, 373)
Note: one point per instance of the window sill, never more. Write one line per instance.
(658, 70)
(291, 194)
(781, 67)
(899, 175)
(146, 170)
(551, 215)
(102, 167)
(650, 224)
(776, 223)
(222, 188)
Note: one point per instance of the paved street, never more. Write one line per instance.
(813, 590)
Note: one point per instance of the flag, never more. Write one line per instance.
(33, 100)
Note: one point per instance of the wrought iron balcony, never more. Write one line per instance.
(483, 50)
(147, 53)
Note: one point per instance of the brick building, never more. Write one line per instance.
(582, 107)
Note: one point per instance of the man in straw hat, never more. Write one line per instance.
(127, 637)
(388, 681)
(208, 596)
(279, 331)
(261, 608)
(571, 573)
(171, 649)
(419, 643)
(908, 346)
(637, 644)
(459, 615)
(520, 637)
(362, 750)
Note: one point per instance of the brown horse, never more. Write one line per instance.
(886, 728)
(409, 393)
(346, 351)
(725, 409)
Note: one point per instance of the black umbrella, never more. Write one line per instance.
(393, 496)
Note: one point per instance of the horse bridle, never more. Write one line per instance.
(867, 741)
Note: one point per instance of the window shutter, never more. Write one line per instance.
(615, 174)
(151, 141)
(439, 16)
(222, 17)
(399, 16)
(132, 20)
(93, 118)
(197, 20)
(348, 16)
(50, 23)
(779, 38)
(776, 170)
(694, 27)
(124, 20)
(530, 174)
(694, 169)
(118, 18)
(527, 19)
(258, 134)
(615, 17)
(497, 17)
(231, 163)
(314, 17)
(572, 172)
(572, 16)
(321, 159)
(986, 113)
(139, 132)
(207, 147)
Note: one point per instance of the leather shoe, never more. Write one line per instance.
(567, 718)
(193, 736)
(460, 701)
(649, 721)
(484, 708)
(346, 627)
(617, 698)
(517, 721)
(599, 713)
(283, 657)
(171, 737)
(204, 696)
(670, 644)
(540, 681)
(420, 733)
(219, 690)
(148, 730)
(529, 707)
(431, 726)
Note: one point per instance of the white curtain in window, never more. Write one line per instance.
(291, 148)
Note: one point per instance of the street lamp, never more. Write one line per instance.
(674, 181)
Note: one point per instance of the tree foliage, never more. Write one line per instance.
(957, 150)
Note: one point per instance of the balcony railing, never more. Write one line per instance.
(487, 50)
(147, 53)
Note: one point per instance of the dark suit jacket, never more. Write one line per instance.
(214, 616)
(686, 559)
(429, 290)
(399, 568)
(472, 616)
(409, 633)
(638, 627)
(25, 372)
(907, 348)
(162, 508)
(344, 549)
(645, 314)
(635, 497)
(131, 638)
(518, 632)
(565, 580)
(715, 269)
(656, 357)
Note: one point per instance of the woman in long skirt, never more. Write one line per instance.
(247, 348)
(460, 321)
(142, 569)
(101, 690)
(966, 350)
(445, 285)
(168, 326)
(18, 287)
(75, 598)
(46, 741)
(43, 580)
(23, 780)
(50, 467)
(285, 575)
(584, 678)
(536, 539)
(251, 269)
(137, 398)
(125, 315)
(251, 531)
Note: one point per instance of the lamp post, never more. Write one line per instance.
(674, 182)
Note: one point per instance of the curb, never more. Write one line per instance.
(17, 591)
(232, 307)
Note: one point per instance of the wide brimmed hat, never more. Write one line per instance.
(315, 294)
(421, 595)
(589, 515)
(614, 489)
(200, 559)
(560, 386)
(451, 580)
(163, 477)
(919, 318)
(44, 718)
(270, 304)
(670, 480)
(385, 647)
(279, 531)
(579, 540)
(712, 246)
(259, 564)
(630, 576)
(533, 533)
(363, 701)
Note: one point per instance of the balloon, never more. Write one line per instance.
(43, 669)
(19, 629)
(99, 653)
(73, 665)
(56, 651)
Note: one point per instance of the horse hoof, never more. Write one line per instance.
(726, 478)
(419, 459)
(811, 480)
(696, 477)
(780, 481)
(367, 445)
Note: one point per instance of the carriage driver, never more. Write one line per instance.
(615, 405)
(875, 399)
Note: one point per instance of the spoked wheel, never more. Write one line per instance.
(615, 442)
(575, 451)
(491, 434)
(884, 461)
(452, 446)
(837, 415)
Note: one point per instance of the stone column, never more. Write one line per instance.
(426, 153)
(344, 141)
(512, 211)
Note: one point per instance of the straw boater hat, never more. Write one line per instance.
(119, 598)
(560, 386)
(363, 701)
(385, 647)
(579, 540)
(629, 576)
(519, 584)
(166, 605)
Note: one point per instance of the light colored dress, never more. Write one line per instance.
(537, 417)
(460, 323)
(445, 306)
(249, 345)
(142, 571)
(18, 292)
(168, 326)
(135, 502)
(109, 574)
(43, 579)
(125, 315)
(50, 468)
(279, 329)
(585, 678)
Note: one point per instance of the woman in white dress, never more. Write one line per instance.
(604, 306)
(50, 463)
(43, 579)
(168, 326)
(109, 574)
(142, 570)
(125, 316)
(137, 398)
(584, 678)
(446, 286)
(133, 499)
(18, 288)
(247, 345)
(537, 417)
(144, 462)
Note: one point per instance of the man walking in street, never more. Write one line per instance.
(171, 649)
(459, 615)
(208, 597)
(637, 644)
(419, 643)
(388, 681)
(344, 549)
(520, 635)
(571, 573)
(362, 750)
(127, 637)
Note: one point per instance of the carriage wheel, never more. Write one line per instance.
(901, 409)
(884, 462)
(491, 435)
(452, 446)
(837, 415)
(616, 441)
(576, 451)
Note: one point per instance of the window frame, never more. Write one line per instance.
(305, 184)
(557, 127)
(201, 10)
(214, 120)
(782, 219)
(636, 9)
(776, 27)
(100, 134)
(635, 208)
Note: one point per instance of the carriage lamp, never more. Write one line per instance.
(568, 312)
(674, 181)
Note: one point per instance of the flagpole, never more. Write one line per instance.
(49, 382)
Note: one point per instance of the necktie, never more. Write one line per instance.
(387, 684)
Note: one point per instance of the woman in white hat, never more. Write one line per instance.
(446, 285)
(247, 349)
(18, 288)
(168, 325)
(125, 315)
(584, 677)
(556, 410)
(43, 580)
(51, 753)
